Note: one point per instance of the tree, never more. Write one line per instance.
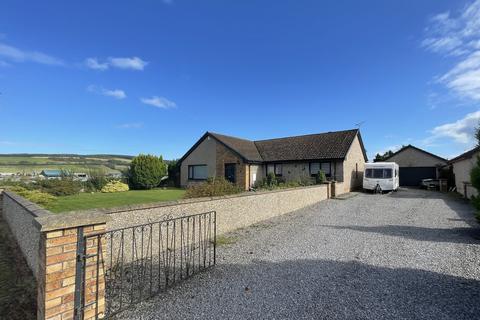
(146, 171)
(382, 157)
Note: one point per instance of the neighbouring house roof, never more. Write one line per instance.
(465, 155)
(51, 173)
(328, 145)
(417, 149)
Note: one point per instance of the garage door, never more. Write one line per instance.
(412, 176)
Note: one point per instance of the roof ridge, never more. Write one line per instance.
(225, 135)
(306, 135)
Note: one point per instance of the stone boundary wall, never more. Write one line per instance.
(233, 212)
(49, 241)
(20, 215)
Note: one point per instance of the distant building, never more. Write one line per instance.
(80, 176)
(51, 174)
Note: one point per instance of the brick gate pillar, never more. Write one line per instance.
(58, 277)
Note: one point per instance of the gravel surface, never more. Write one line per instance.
(412, 254)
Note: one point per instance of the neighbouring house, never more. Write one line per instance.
(341, 155)
(51, 174)
(461, 167)
(416, 164)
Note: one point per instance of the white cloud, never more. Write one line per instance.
(458, 36)
(133, 125)
(134, 63)
(93, 63)
(17, 55)
(115, 93)
(159, 102)
(461, 131)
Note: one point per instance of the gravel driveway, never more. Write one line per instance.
(413, 254)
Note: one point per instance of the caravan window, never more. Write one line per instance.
(387, 173)
(378, 173)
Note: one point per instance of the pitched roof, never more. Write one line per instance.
(465, 155)
(245, 148)
(415, 148)
(329, 145)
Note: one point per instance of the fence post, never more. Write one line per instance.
(57, 272)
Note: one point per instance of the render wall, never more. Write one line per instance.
(233, 212)
(20, 215)
(204, 154)
(461, 170)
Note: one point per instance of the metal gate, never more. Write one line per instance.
(119, 268)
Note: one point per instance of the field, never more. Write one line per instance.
(84, 201)
(26, 164)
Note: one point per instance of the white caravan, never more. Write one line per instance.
(381, 176)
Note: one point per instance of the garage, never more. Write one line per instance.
(416, 164)
(412, 176)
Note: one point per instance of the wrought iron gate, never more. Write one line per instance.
(119, 268)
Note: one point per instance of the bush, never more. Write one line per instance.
(320, 177)
(36, 196)
(62, 187)
(146, 171)
(115, 186)
(97, 179)
(211, 188)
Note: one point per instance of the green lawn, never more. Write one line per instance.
(84, 201)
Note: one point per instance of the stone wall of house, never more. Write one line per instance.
(203, 154)
(353, 167)
(411, 157)
(20, 215)
(233, 212)
(225, 155)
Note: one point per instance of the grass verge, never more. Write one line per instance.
(85, 201)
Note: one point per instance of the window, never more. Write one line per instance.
(378, 173)
(387, 173)
(317, 166)
(314, 168)
(197, 172)
(275, 169)
(278, 169)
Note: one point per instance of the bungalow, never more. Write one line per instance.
(461, 167)
(341, 155)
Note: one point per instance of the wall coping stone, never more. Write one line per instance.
(70, 220)
(162, 204)
(34, 209)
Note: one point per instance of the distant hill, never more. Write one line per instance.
(26, 163)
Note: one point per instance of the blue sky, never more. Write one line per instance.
(152, 76)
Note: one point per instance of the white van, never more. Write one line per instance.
(381, 176)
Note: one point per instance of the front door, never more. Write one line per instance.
(230, 172)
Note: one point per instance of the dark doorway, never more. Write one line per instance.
(412, 176)
(230, 172)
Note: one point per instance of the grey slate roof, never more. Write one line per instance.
(329, 145)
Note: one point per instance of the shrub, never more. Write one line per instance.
(115, 186)
(36, 196)
(211, 188)
(146, 171)
(97, 179)
(320, 177)
(62, 187)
